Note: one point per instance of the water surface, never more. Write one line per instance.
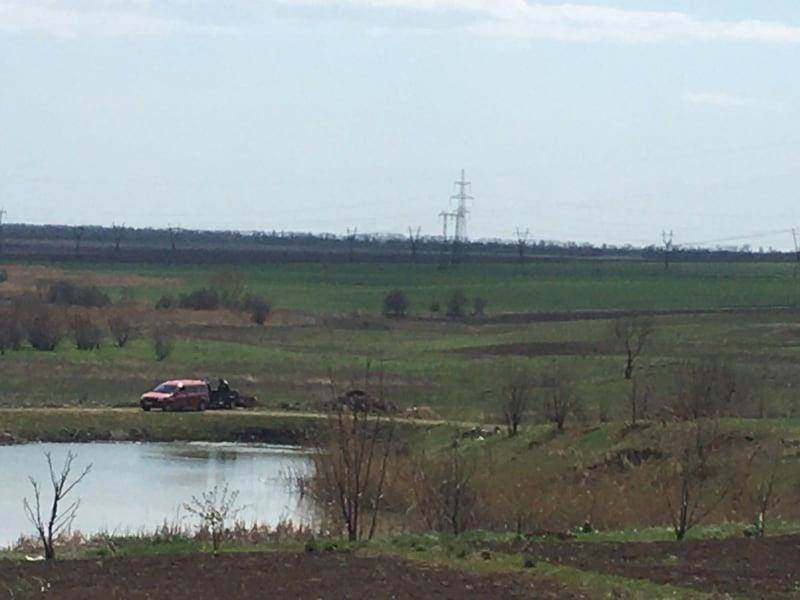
(135, 486)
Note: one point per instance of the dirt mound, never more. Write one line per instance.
(267, 575)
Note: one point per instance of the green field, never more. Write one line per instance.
(541, 286)
(327, 321)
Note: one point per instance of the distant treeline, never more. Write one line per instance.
(124, 244)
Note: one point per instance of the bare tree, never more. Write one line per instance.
(118, 231)
(667, 239)
(174, 232)
(633, 399)
(353, 456)
(762, 476)
(121, 331)
(515, 399)
(77, 234)
(214, 508)
(522, 244)
(631, 335)
(707, 389)
(686, 480)
(163, 343)
(442, 489)
(50, 526)
(560, 399)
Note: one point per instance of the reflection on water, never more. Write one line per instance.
(138, 486)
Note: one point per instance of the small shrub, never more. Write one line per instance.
(456, 304)
(44, 330)
(3, 276)
(68, 293)
(165, 302)
(86, 333)
(259, 309)
(214, 509)
(11, 334)
(479, 306)
(231, 287)
(120, 328)
(202, 299)
(163, 344)
(395, 304)
(435, 307)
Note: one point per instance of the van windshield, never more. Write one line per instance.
(166, 389)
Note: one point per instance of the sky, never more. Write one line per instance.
(601, 121)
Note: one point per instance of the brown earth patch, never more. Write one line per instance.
(746, 568)
(265, 575)
(24, 277)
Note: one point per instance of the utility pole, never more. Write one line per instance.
(522, 243)
(413, 240)
(351, 242)
(461, 213)
(667, 240)
(462, 188)
(796, 252)
(2, 214)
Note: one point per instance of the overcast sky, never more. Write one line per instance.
(600, 121)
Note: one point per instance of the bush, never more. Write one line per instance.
(259, 309)
(163, 344)
(202, 299)
(44, 330)
(479, 306)
(165, 302)
(435, 307)
(395, 304)
(68, 293)
(3, 276)
(11, 334)
(86, 333)
(456, 304)
(120, 328)
(231, 289)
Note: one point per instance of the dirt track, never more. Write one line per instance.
(250, 576)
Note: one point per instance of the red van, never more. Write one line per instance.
(177, 394)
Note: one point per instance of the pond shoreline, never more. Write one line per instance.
(77, 425)
(65, 425)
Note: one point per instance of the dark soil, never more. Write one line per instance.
(266, 575)
(745, 568)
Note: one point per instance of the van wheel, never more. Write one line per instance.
(201, 406)
(146, 408)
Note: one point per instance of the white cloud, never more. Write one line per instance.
(721, 100)
(578, 22)
(70, 18)
(517, 18)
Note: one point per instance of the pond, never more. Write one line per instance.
(138, 486)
